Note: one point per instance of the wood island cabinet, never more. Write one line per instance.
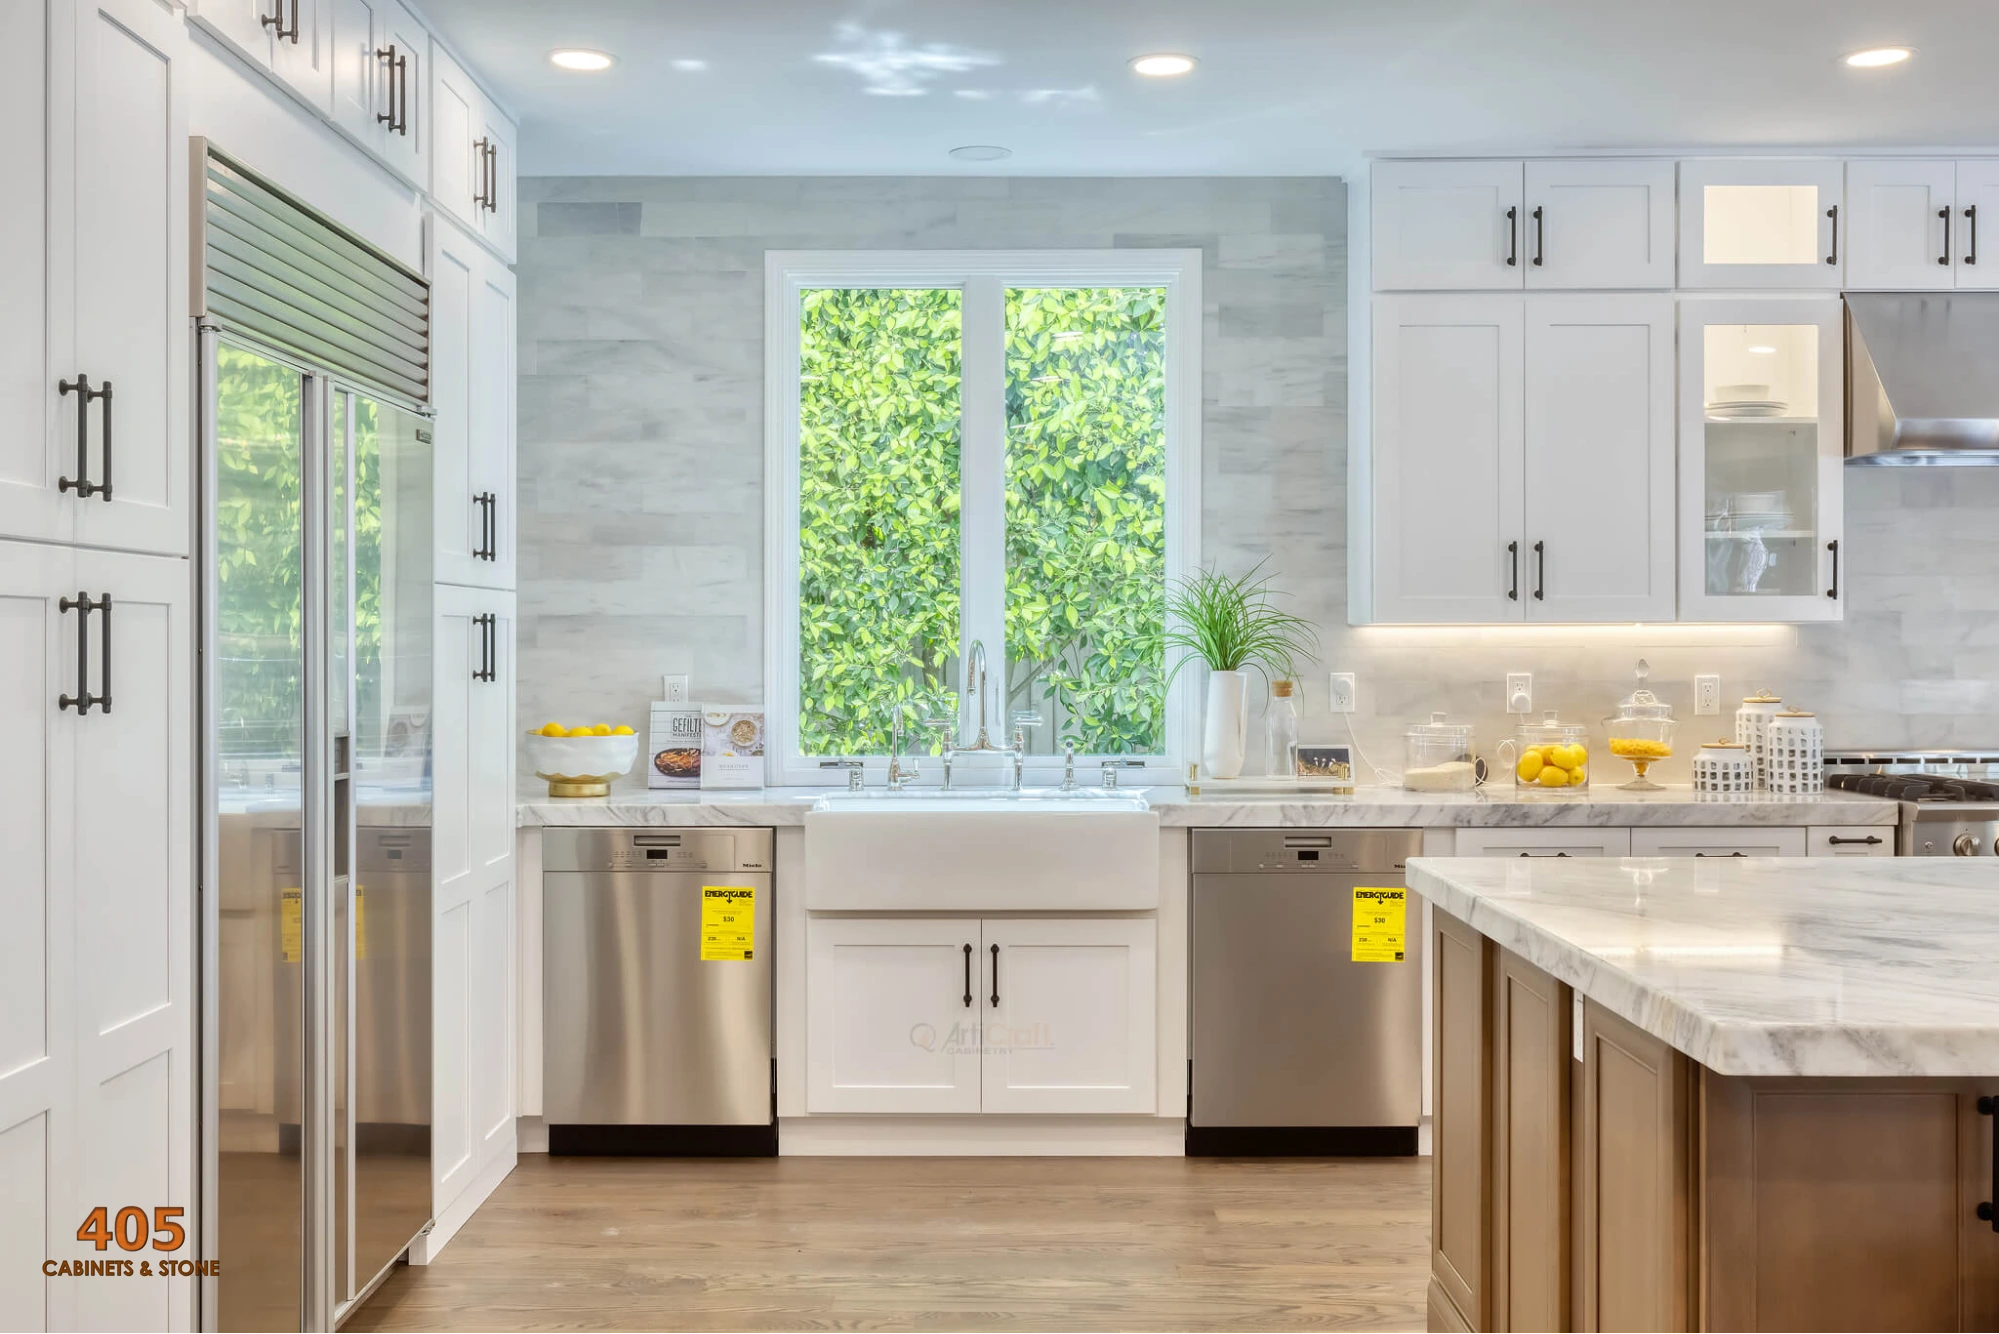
(1590, 1177)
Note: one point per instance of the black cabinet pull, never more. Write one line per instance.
(276, 20)
(81, 483)
(1988, 1210)
(489, 527)
(83, 700)
(968, 975)
(995, 977)
(1513, 550)
(1540, 572)
(1971, 242)
(397, 117)
(1544, 854)
(1944, 258)
(1721, 854)
(1872, 840)
(1833, 547)
(1833, 213)
(488, 647)
(1540, 236)
(483, 148)
(492, 164)
(1512, 237)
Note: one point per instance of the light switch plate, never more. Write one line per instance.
(676, 689)
(1520, 692)
(1707, 694)
(1342, 692)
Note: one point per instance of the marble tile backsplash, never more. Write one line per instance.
(641, 458)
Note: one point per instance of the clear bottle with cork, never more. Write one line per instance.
(1280, 726)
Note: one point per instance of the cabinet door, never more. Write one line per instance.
(1531, 1101)
(498, 222)
(1850, 841)
(31, 456)
(1762, 449)
(356, 72)
(303, 56)
(244, 25)
(406, 77)
(1069, 1015)
(1721, 841)
(472, 870)
(489, 414)
(118, 271)
(893, 1015)
(472, 388)
(1599, 459)
(455, 173)
(1460, 1199)
(1599, 222)
(1447, 226)
(1762, 223)
(1544, 843)
(1900, 232)
(1977, 206)
(1447, 459)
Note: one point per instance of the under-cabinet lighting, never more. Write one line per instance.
(1763, 350)
(1162, 66)
(581, 59)
(1876, 56)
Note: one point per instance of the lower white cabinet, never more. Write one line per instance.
(1851, 841)
(1544, 842)
(472, 889)
(962, 1015)
(1718, 841)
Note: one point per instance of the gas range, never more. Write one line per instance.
(1949, 798)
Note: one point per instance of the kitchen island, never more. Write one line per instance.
(1743, 1094)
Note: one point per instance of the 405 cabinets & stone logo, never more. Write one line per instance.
(133, 1229)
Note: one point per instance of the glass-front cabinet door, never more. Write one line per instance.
(1762, 446)
(1761, 223)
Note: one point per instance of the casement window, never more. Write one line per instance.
(990, 448)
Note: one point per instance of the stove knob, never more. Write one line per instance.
(1964, 845)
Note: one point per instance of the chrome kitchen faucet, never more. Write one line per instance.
(975, 679)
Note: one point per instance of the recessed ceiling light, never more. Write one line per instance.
(689, 65)
(578, 58)
(981, 153)
(1764, 350)
(1162, 66)
(1876, 56)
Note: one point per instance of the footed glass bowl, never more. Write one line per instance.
(581, 766)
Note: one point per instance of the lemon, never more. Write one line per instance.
(601, 729)
(580, 731)
(1572, 757)
(1554, 775)
(1578, 776)
(554, 729)
(622, 730)
(1529, 767)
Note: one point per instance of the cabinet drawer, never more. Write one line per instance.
(1717, 841)
(1544, 842)
(1863, 840)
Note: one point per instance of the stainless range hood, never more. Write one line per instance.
(1922, 379)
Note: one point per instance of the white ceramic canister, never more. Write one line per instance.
(1795, 741)
(1723, 769)
(1752, 721)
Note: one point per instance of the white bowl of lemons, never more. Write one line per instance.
(582, 761)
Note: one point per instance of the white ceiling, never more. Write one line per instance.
(1284, 86)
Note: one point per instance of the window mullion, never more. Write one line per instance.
(982, 494)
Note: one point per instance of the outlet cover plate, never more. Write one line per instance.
(676, 689)
(1520, 692)
(1342, 692)
(1707, 695)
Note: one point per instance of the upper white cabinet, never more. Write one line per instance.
(1762, 223)
(1523, 458)
(472, 155)
(289, 38)
(472, 369)
(1762, 443)
(1558, 223)
(95, 378)
(1915, 223)
(376, 59)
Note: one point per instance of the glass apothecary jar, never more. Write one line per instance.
(1438, 757)
(1549, 756)
(1641, 732)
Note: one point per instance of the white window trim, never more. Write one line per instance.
(983, 276)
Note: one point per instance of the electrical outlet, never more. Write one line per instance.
(1342, 693)
(1707, 694)
(1520, 692)
(676, 689)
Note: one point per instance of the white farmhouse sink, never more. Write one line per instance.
(1040, 849)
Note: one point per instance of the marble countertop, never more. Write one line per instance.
(1369, 807)
(1771, 966)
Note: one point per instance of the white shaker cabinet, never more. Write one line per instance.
(94, 380)
(1598, 223)
(1544, 843)
(1069, 1015)
(286, 37)
(1763, 223)
(1718, 841)
(1900, 233)
(472, 155)
(96, 986)
(472, 368)
(1447, 225)
(376, 59)
(1977, 209)
(892, 1009)
(472, 864)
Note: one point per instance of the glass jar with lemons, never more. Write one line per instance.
(1549, 756)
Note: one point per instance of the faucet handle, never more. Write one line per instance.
(855, 772)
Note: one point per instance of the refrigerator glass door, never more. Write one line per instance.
(258, 723)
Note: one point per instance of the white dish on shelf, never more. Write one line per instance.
(1747, 407)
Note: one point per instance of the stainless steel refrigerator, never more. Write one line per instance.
(316, 590)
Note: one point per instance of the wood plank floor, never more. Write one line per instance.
(931, 1244)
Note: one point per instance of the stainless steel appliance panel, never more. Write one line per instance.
(637, 1028)
(1288, 1030)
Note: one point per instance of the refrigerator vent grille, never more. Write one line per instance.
(279, 273)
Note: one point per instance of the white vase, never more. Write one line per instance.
(1224, 738)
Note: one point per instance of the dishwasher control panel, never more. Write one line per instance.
(660, 851)
(1219, 851)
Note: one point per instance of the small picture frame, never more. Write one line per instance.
(1331, 766)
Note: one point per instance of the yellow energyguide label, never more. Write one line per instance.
(728, 922)
(1380, 922)
(291, 924)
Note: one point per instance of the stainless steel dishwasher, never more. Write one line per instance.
(1297, 1049)
(648, 1047)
